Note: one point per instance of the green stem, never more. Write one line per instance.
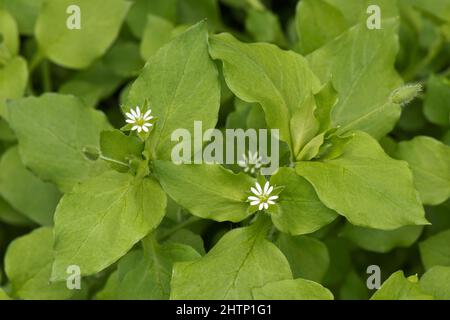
(179, 226)
(36, 61)
(107, 159)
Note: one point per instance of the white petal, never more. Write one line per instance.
(145, 128)
(139, 129)
(129, 115)
(270, 190)
(270, 202)
(258, 187)
(148, 118)
(266, 187)
(241, 163)
(134, 113)
(135, 128)
(273, 198)
(256, 192)
(138, 112)
(246, 169)
(130, 121)
(266, 206)
(147, 113)
(254, 203)
(148, 124)
(253, 198)
(261, 206)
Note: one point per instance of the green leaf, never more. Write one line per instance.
(182, 86)
(380, 240)
(437, 101)
(364, 82)
(109, 291)
(102, 218)
(151, 40)
(298, 289)
(300, 210)
(146, 273)
(13, 79)
(283, 77)
(78, 48)
(436, 250)
(10, 216)
(28, 263)
(192, 11)
(52, 131)
(137, 17)
(429, 161)
(207, 191)
(307, 256)
(3, 295)
(8, 32)
(436, 282)
(362, 181)
(37, 200)
(117, 146)
(318, 22)
(124, 59)
(25, 12)
(397, 287)
(186, 237)
(242, 260)
(92, 84)
(264, 26)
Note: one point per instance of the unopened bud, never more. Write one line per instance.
(406, 93)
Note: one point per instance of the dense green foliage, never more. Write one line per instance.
(364, 129)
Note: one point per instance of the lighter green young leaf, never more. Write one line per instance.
(13, 79)
(380, 240)
(436, 282)
(297, 289)
(102, 218)
(364, 82)
(123, 59)
(366, 186)
(37, 200)
(78, 48)
(300, 210)
(28, 264)
(284, 80)
(307, 256)
(429, 160)
(397, 287)
(52, 131)
(9, 32)
(242, 260)
(436, 250)
(182, 85)
(207, 191)
(146, 273)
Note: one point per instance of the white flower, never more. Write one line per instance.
(251, 163)
(262, 197)
(139, 119)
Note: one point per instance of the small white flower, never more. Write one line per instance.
(262, 197)
(139, 120)
(251, 163)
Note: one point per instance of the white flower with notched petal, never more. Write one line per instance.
(262, 197)
(139, 119)
(251, 163)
